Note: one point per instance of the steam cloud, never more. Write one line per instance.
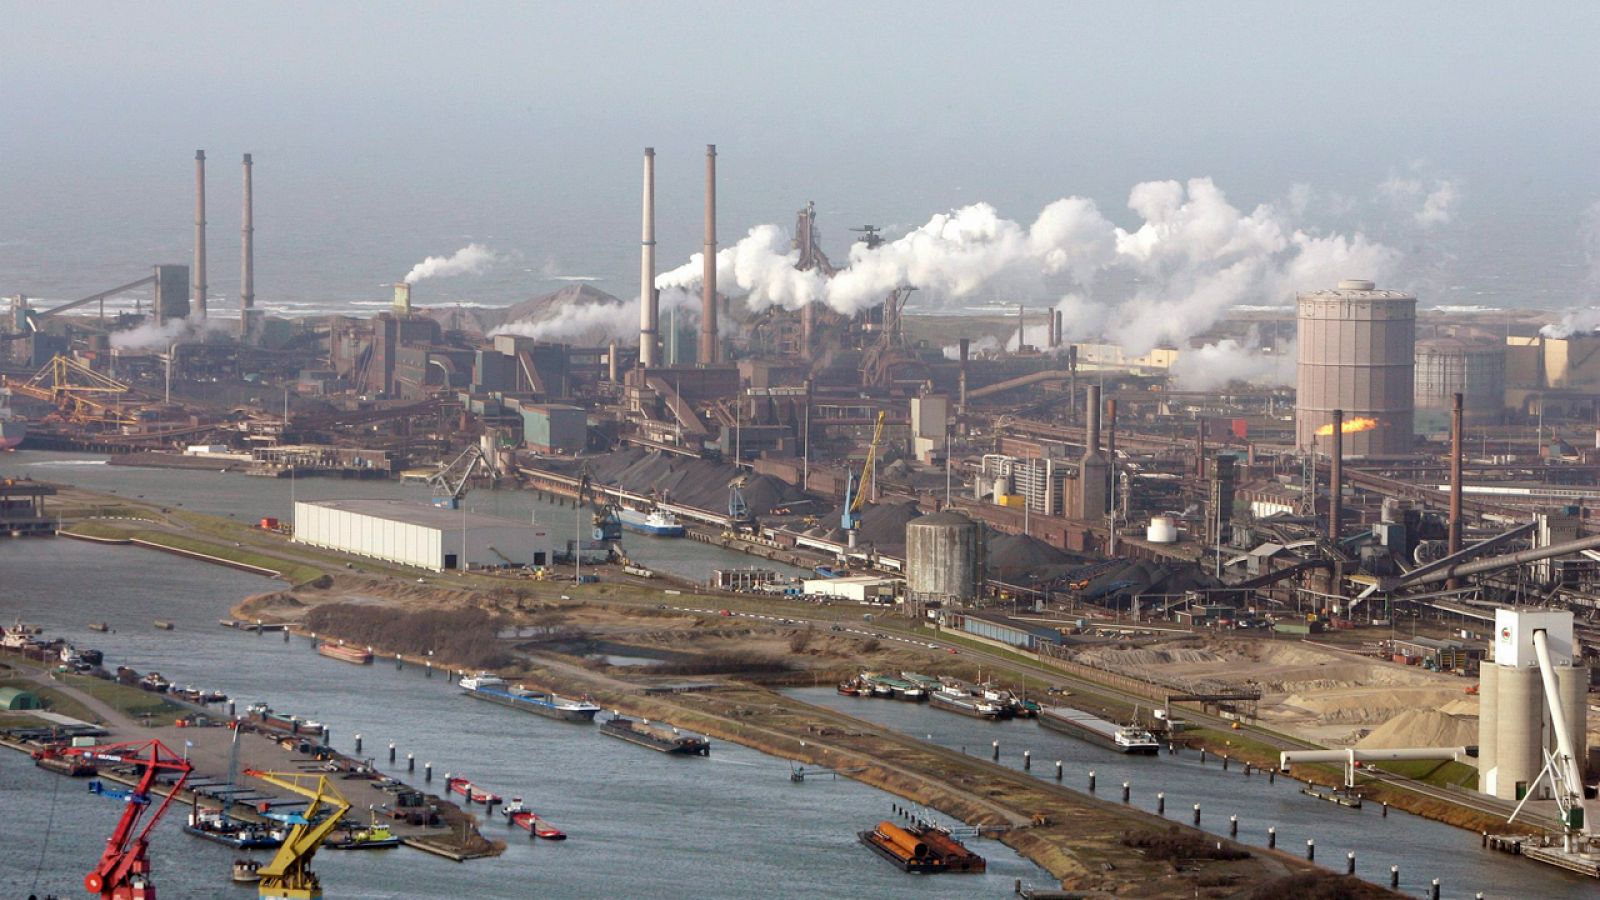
(469, 260)
(151, 336)
(1215, 366)
(1192, 257)
(1429, 203)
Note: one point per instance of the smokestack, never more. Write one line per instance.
(1336, 481)
(708, 287)
(965, 348)
(1059, 322)
(611, 362)
(1091, 431)
(247, 256)
(200, 233)
(1111, 447)
(649, 310)
(1457, 439)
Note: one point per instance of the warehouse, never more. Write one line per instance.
(998, 629)
(427, 537)
(855, 588)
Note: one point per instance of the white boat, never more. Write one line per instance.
(656, 522)
(481, 680)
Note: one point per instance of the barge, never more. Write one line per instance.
(519, 816)
(471, 792)
(922, 848)
(661, 738)
(964, 703)
(51, 759)
(494, 689)
(214, 825)
(1129, 739)
(345, 653)
(263, 715)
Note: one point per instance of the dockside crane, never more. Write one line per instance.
(289, 875)
(855, 490)
(123, 872)
(451, 481)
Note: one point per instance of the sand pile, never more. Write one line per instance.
(1466, 706)
(1423, 728)
(1117, 658)
(1366, 706)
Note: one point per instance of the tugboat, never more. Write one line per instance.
(155, 683)
(373, 837)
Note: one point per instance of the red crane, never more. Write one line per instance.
(124, 871)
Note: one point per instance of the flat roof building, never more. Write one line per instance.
(427, 537)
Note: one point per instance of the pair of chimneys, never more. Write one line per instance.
(649, 297)
(247, 254)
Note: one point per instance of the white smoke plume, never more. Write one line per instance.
(1589, 232)
(1192, 257)
(592, 324)
(1579, 321)
(1228, 361)
(469, 260)
(984, 346)
(1429, 202)
(151, 336)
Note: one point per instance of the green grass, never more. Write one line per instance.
(53, 700)
(293, 572)
(1440, 773)
(129, 701)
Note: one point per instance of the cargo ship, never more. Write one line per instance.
(663, 738)
(12, 429)
(345, 653)
(1121, 738)
(263, 715)
(494, 689)
(657, 522)
(922, 848)
(962, 702)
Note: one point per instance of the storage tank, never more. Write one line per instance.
(1357, 353)
(1162, 530)
(1572, 683)
(1488, 722)
(1519, 736)
(944, 558)
(1447, 366)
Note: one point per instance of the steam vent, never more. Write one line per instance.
(1357, 353)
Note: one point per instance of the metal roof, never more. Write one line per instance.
(412, 513)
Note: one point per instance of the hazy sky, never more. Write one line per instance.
(398, 126)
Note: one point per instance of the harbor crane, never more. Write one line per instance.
(451, 481)
(739, 517)
(289, 875)
(123, 872)
(855, 490)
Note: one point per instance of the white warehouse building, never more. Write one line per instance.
(408, 533)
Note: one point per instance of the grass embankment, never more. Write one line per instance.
(130, 701)
(1439, 773)
(293, 572)
(52, 700)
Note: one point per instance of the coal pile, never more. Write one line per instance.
(883, 525)
(1021, 559)
(701, 483)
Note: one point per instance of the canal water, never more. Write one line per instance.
(249, 498)
(1423, 850)
(642, 824)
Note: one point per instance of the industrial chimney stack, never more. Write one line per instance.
(200, 233)
(708, 288)
(649, 310)
(1336, 480)
(247, 258)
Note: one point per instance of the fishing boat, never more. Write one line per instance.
(657, 522)
(345, 653)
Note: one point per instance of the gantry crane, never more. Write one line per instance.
(124, 869)
(452, 479)
(855, 490)
(289, 875)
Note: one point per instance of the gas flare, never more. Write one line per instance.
(1350, 426)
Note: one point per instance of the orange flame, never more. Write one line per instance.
(1349, 426)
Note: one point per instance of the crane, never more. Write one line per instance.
(123, 872)
(452, 479)
(289, 875)
(855, 489)
(739, 517)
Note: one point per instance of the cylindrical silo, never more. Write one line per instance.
(1572, 682)
(1488, 722)
(1519, 733)
(944, 558)
(1448, 366)
(1357, 347)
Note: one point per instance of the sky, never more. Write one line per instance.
(384, 132)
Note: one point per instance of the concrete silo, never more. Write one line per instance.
(1514, 724)
(944, 559)
(1357, 347)
(1448, 366)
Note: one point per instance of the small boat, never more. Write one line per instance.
(101, 627)
(345, 653)
(850, 688)
(657, 522)
(246, 871)
(373, 837)
(155, 683)
(481, 680)
(164, 625)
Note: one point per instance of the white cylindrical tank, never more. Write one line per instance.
(1162, 530)
(1357, 354)
(1488, 723)
(1573, 684)
(944, 558)
(1002, 487)
(1519, 730)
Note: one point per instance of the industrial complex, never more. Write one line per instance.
(1417, 519)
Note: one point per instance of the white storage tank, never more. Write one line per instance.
(1357, 354)
(1162, 530)
(944, 558)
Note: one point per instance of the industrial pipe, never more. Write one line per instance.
(708, 286)
(1496, 563)
(1336, 480)
(1091, 433)
(649, 311)
(1456, 462)
(1571, 775)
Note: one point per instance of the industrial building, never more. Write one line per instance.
(1448, 366)
(854, 588)
(1358, 354)
(426, 537)
(998, 629)
(944, 559)
(1515, 727)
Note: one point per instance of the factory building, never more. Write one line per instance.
(944, 559)
(997, 629)
(410, 534)
(854, 588)
(554, 428)
(1448, 366)
(1357, 353)
(1514, 726)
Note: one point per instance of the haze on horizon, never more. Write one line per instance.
(386, 133)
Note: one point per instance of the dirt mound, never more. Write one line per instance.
(1118, 658)
(1014, 557)
(274, 606)
(1369, 705)
(1423, 728)
(701, 483)
(1466, 706)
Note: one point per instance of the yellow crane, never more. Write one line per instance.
(289, 875)
(853, 504)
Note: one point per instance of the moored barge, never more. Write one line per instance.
(494, 689)
(345, 653)
(661, 738)
(1121, 738)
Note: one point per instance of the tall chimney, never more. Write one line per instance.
(649, 311)
(611, 363)
(1022, 330)
(1456, 464)
(1111, 448)
(1336, 480)
(200, 233)
(1091, 432)
(962, 398)
(708, 287)
(247, 257)
(1056, 317)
